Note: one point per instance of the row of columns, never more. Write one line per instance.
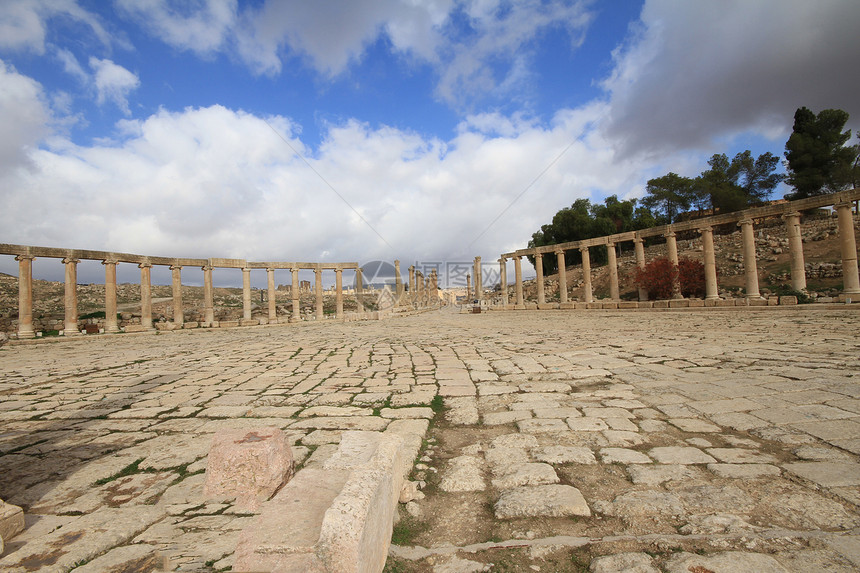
(70, 299)
(848, 247)
(423, 290)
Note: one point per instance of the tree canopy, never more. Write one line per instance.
(817, 159)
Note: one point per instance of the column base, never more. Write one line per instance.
(26, 333)
(112, 329)
(72, 332)
(519, 307)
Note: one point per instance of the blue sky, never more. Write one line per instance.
(156, 127)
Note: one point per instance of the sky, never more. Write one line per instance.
(429, 131)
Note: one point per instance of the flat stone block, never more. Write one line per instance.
(773, 301)
(538, 426)
(531, 306)
(249, 465)
(783, 300)
(628, 304)
(541, 501)
(498, 418)
(564, 455)
(228, 323)
(696, 303)
(580, 305)
(11, 520)
(464, 473)
(135, 328)
(623, 456)
(660, 304)
(725, 302)
(609, 305)
(249, 322)
(756, 302)
(727, 561)
(827, 474)
(548, 306)
(679, 303)
(628, 562)
(567, 305)
(522, 474)
(744, 471)
(190, 325)
(680, 455)
(593, 305)
(645, 304)
(587, 424)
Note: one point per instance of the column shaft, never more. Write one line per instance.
(469, 292)
(111, 325)
(273, 308)
(246, 293)
(672, 251)
(398, 283)
(338, 294)
(178, 316)
(479, 280)
(318, 292)
(541, 295)
(359, 290)
(795, 249)
(294, 292)
(587, 292)
(145, 295)
(503, 280)
(518, 275)
(25, 296)
(709, 260)
(845, 222)
(562, 276)
(71, 297)
(208, 296)
(750, 266)
(413, 289)
(639, 248)
(612, 262)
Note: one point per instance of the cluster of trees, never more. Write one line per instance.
(817, 161)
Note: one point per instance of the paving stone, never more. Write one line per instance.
(623, 456)
(499, 418)
(557, 413)
(368, 423)
(541, 501)
(464, 473)
(623, 563)
(514, 441)
(506, 456)
(622, 438)
(727, 562)
(745, 470)
(545, 387)
(653, 475)
(522, 474)
(564, 455)
(741, 456)
(538, 426)
(640, 503)
(680, 455)
(827, 474)
(587, 424)
(694, 425)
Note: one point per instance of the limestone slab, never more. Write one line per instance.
(523, 474)
(564, 455)
(587, 424)
(464, 473)
(623, 456)
(542, 425)
(623, 563)
(680, 455)
(827, 474)
(726, 562)
(745, 470)
(741, 456)
(541, 501)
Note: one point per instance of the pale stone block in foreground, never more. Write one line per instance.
(249, 465)
(541, 501)
(11, 520)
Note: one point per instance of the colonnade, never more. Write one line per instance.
(790, 213)
(25, 255)
(423, 290)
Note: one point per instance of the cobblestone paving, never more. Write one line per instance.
(622, 431)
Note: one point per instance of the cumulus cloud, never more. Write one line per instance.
(23, 115)
(23, 22)
(113, 83)
(695, 71)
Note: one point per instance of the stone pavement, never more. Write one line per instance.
(685, 440)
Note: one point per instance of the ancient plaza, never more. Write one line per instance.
(517, 433)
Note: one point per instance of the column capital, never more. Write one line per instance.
(206, 267)
(246, 269)
(790, 215)
(175, 267)
(338, 270)
(25, 258)
(502, 259)
(517, 257)
(558, 251)
(669, 233)
(70, 260)
(110, 262)
(270, 269)
(583, 249)
(411, 267)
(144, 265)
(705, 229)
(746, 221)
(844, 205)
(638, 240)
(610, 243)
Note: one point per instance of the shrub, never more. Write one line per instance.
(691, 275)
(657, 277)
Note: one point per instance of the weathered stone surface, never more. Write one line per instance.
(564, 455)
(623, 563)
(11, 521)
(623, 456)
(741, 456)
(744, 471)
(519, 474)
(138, 558)
(680, 455)
(587, 424)
(464, 473)
(727, 562)
(827, 474)
(248, 465)
(637, 503)
(657, 474)
(541, 501)
(539, 426)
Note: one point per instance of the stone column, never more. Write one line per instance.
(145, 295)
(479, 280)
(338, 292)
(562, 275)
(750, 266)
(711, 292)
(111, 325)
(413, 290)
(434, 287)
(795, 249)
(845, 222)
(273, 308)
(587, 292)
(178, 316)
(518, 276)
(246, 293)
(359, 290)
(469, 292)
(426, 294)
(503, 280)
(639, 248)
(398, 283)
(318, 292)
(71, 297)
(672, 252)
(541, 295)
(294, 292)
(208, 296)
(25, 296)
(612, 263)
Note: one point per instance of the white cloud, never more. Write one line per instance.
(696, 71)
(22, 22)
(24, 117)
(113, 83)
